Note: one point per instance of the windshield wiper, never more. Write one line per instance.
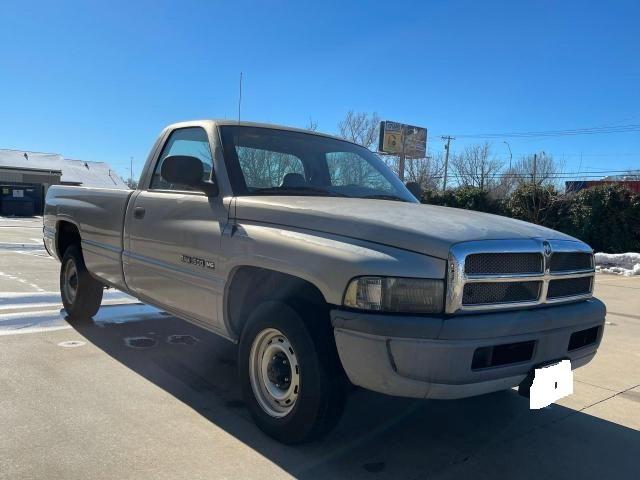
(302, 189)
(383, 196)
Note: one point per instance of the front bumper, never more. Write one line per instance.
(432, 357)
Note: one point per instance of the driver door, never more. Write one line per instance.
(174, 235)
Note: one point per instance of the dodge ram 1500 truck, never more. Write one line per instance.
(311, 255)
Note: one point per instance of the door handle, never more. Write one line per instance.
(139, 212)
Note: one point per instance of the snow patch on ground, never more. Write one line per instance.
(627, 264)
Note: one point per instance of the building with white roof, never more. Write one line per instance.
(25, 177)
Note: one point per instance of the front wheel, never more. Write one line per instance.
(289, 373)
(81, 293)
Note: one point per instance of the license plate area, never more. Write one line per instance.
(550, 383)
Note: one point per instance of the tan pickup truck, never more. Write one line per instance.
(308, 252)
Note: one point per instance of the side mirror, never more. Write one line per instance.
(414, 188)
(188, 171)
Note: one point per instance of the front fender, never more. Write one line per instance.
(327, 261)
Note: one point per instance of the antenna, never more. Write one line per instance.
(240, 97)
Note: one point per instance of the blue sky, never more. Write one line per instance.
(99, 80)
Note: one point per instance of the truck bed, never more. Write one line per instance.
(99, 215)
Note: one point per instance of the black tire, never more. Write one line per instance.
(88, 291)
(320, 401)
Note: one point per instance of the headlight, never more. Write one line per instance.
(400, 295)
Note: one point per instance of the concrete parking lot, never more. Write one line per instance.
(141, 394)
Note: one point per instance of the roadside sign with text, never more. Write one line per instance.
(398, 138)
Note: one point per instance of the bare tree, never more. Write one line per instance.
(474, 167)
(631, 175)
(346, 168)
(264, 169)
(312, 125)
(426, 172)
(360, 128)
(541, 169)
(507, 181)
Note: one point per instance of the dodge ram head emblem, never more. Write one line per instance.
(547, 249)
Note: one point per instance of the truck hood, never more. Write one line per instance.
(427, 229)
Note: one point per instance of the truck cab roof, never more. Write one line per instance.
(225, 122)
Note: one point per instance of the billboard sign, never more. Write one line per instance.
(398, 138)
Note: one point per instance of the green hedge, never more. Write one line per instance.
(470, 198)
(607, 217)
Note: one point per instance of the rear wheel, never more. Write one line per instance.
(290, 375)
(81, 293)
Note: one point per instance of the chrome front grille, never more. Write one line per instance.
(570, 261)
(499, 292)
(495, 274)
(496, 263)
(569, 287)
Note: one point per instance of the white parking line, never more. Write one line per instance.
(8, 246)
(43, 299)
(47, 320)
(35, 253)
(32, 322)
(21, 280)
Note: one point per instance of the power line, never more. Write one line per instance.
(556, 133)
(630, 154)
(591, 172)
(576, 155)
(528, 175)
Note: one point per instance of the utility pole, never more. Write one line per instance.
(131, 169)
(448, 138)
(535, 164)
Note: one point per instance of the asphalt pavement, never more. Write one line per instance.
(138, 394)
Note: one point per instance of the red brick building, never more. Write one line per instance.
(576, 186)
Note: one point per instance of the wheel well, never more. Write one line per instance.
(251, 286)
(68, 235)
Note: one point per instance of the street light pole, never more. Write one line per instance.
(510, 154)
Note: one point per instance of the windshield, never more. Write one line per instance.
(269, 161)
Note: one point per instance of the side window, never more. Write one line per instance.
(265, 168)
(190, 141)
